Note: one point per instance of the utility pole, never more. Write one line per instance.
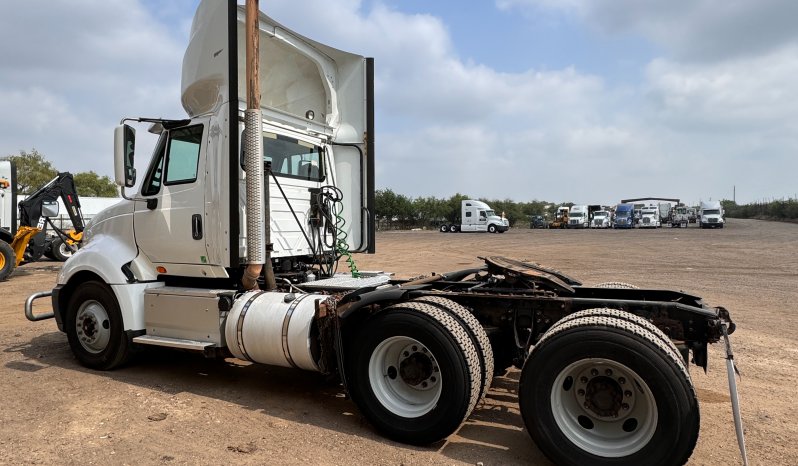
(734, 195)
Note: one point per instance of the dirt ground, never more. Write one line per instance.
(176, 408)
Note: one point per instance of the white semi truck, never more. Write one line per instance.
(711, 215)
(476, 216)
(183, 263)
(601, 219)
(650, 217)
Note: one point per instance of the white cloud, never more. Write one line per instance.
(692, 129)
(689, 29)
(72, 69)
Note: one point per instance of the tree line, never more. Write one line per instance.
(774, 209)
(399, 211)
(34, 171)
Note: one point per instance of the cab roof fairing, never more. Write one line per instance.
(297, 74)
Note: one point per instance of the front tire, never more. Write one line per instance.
(605, 391)
(391, 365)
(95, 329)
(8, 260)
(492, 228)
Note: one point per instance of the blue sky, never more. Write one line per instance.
(582, 100)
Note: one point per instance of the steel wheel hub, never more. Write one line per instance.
(405, 377)
(604, 407)
(94, 328)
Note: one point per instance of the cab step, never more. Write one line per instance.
(174, 342)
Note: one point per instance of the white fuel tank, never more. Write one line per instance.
(274, 328)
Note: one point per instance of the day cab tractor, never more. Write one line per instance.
(229, 249)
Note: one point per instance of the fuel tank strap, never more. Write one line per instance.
(240, 326)
(286, 322)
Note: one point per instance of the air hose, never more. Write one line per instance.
(341, 246)
(331, 197)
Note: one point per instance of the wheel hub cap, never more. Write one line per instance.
(94, 328)
(604, 397)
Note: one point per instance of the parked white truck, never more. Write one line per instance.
(711, 215)
(650, 217)
(601, 219)
(184, 262)
(476, 216)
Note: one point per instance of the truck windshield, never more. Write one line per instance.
(490, 213)
(290, 157)
(600, 214)
(711, 212)
(577, 214)
(622, 213)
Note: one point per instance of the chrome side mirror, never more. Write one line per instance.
(50, 209)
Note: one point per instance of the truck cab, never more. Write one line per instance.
(649, 217)
(711, 215)
(477, 216)
(601, 219)
(624, 216)
(579, 217)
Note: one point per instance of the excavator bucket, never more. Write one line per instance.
(23, 236)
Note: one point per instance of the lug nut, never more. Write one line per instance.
(625, 407)
(583, 379)
(593, 372)
(415, 348)
(581, 392)
(435, 369)
(586, 406)
(608, 372)
(628, 393)
(621, 380)
(424, 384)
(407, 354)
(423, 350)
(433, 379)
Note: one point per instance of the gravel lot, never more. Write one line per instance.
(176, 408)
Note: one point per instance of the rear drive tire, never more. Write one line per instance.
(95, 329)
(8, 260)
(478, 336)
(59, 250)
(454, 228)
(393, 352)
(617, 285)
(444, 228)
(628, 317)
(605, 391)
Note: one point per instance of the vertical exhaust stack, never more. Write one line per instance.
(257, 204)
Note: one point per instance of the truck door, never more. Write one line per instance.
(482, 221)
(170, 220)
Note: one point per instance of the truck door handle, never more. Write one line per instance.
(152, 203)
(196, 226)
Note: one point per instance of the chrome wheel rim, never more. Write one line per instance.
(405, 377)
(604, 407)
(93, 326)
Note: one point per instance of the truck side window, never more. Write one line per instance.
(468, 214)
(482, 214)
(290, 157)
(152, 182)
(182, 159)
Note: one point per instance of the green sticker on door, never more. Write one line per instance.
(203, 260)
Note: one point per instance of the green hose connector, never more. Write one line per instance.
(341, 246)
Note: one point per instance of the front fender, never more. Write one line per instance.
(103, 256)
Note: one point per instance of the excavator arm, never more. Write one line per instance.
(32, 222)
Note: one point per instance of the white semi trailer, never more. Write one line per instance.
(177, 264)
(476, 216)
